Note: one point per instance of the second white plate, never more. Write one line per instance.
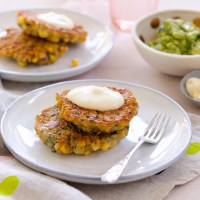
(18, 133)
(99, 42)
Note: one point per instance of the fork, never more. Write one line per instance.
(152, 134)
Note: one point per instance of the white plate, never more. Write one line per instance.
(18, 133)
(99, 42)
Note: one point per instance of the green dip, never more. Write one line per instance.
(177, 36)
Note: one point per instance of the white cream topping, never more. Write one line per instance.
(57, 20)
(3, 34)
(96, 98)
(193, 87)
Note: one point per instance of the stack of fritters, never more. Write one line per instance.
(67, 128)
(37, 42)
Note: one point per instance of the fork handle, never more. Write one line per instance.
(113, 174)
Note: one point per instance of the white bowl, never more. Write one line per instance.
(172, 64)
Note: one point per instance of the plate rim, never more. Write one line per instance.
(96, 179)
(74, 71)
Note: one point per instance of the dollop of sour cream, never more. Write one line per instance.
(96, 98)
(193, 87)
(57, 20)
(3, 34)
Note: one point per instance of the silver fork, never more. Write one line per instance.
(153, 133)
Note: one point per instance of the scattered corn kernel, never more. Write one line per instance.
(74, 62)
(21, 63)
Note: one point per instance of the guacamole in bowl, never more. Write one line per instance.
(177, 36)
(169, 40)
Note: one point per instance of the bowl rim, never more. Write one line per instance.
(137, 40)
(183, 82)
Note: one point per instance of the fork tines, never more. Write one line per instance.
(157, 127)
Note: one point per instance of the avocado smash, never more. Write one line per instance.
(177, 36)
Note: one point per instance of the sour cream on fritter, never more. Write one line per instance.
(96, 98)
(57, 20)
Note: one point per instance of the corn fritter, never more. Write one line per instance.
(98, 121)
(26, 49)
(28, 21)
(64, 137)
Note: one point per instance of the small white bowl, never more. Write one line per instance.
(177, 65)
(196, 74)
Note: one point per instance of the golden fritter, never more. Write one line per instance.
(26, 49)
(28, 21)
(63, 137)
(98, 121)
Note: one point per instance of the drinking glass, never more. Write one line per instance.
(125, 12)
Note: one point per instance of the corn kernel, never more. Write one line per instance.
(65, 149)
(95, 147)
(74, 62)
(81, 143)
(43, 34)
(54, 38)
(35, 60)
(74, 38)
(104, 147)
(52, 58)
(21, 63)
(66, 38)
(21, 20)
(113, 143)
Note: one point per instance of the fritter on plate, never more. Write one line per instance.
(63, 137)
(98, 121)
(26, 49)
(29, 22)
